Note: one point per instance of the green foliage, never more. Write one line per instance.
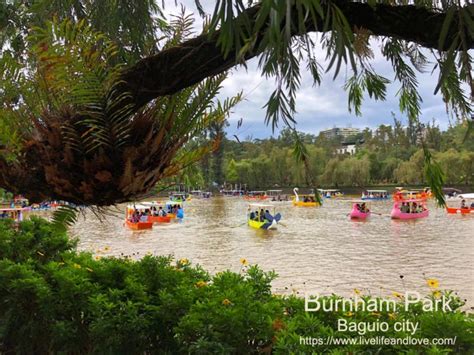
(279, 32)
(56, 300)
(388, 155)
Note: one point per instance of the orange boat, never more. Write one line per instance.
(406, 195)
(139, 225)
(256, 195)
(159, 219)
(456, 210)
(468, 207)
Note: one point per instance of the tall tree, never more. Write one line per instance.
(277, 32)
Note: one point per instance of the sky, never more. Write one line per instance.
(318, 107)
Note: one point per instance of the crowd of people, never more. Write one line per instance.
(371, 194)
(141, 215)
(413, 207)
(464, 205)
(280, 198)
(259, 216)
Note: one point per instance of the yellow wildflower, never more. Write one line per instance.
(244, 261)
(76, 266)
(377, 314)
(397, 294)
(61, 263)
(226, 302)
(89, 269)
(200, 284)
(348, 314)
(392, 316)
(357, 291)
(39, 253)
(184, 261)
(97, 257)
(107, 248)
(433, 283)
(437, 294)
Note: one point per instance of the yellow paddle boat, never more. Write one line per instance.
(305, 200)
(260, 216)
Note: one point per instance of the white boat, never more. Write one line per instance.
(466, 196)
(277, 196)
(375, 195)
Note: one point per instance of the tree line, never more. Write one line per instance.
(390, 154)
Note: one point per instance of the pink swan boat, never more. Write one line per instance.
(409, 205)
(356, 212)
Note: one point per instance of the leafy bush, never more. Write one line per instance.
(54, 299)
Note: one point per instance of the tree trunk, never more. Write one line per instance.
(179, 67)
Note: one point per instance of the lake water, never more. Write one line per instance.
(317, 249)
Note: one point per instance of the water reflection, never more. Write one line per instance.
(317, 249)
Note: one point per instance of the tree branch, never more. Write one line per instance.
(178, 67)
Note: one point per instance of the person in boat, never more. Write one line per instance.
(161, 212)
(463, 204)
(252, 215)
(404, 208)
(472, 205)
(262, 215)
(135, 217)
(358, 207)
(179, 212)
(364, 208)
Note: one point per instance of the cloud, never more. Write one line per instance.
(319, 107)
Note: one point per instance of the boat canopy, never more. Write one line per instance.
(411, 200)
(359, 201)
(329, 190)
(19, 209)
(270, 192)
(150, 203)
(167, 203)
(261, 205)
(140, 206)
(376, 190)
(468, 196)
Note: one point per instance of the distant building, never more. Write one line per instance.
(350, 149)
(340, 132)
